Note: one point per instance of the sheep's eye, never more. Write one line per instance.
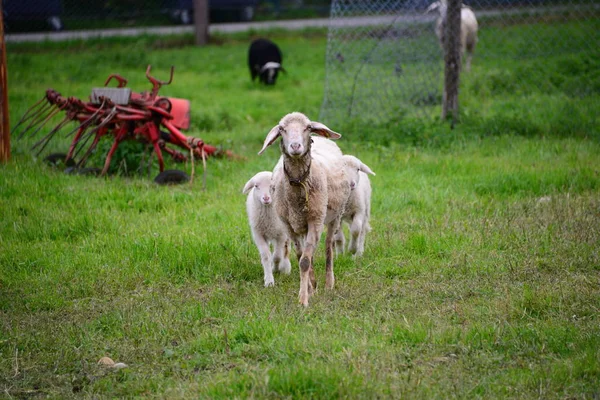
(256, 185)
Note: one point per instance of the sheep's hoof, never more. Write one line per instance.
(285, 267)
(304, 300)
(329, 282)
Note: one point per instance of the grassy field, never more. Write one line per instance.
(481, 276)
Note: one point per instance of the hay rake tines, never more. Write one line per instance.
(122, 114)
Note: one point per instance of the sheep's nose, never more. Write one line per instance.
(352, 185)
(266, 199)
(296, 147)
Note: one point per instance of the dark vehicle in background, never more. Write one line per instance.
(40, 12)
(182, 11)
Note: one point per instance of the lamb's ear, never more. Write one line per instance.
(320, 129)
(249, 185)
(365, 168)
(271, 137)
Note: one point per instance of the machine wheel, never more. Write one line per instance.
(171, 177)
(89, 171)
(56, 159)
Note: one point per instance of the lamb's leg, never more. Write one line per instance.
(340, 241)
(266, 260)
(281, 256)
(312, 238)
(360, 249)
(355, 230)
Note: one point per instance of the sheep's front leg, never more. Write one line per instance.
(281, 256)
(312, 238)
(266, 260)
(329, 278)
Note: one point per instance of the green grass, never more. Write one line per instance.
(480, 278)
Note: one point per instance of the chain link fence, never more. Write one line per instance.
(385, 60)
(55, 15)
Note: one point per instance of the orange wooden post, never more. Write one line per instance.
(4, 123)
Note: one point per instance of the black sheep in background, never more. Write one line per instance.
(264, 61)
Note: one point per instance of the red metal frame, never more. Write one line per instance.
(142, 118)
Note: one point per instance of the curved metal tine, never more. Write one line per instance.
(81, 125)
(49, 135)
(107, 119)
(37, 119)
(45, 121)
(89, 134)
(87, 121)
(82, 145)
(85, 157)
(26, 116)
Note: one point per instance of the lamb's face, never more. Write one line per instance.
(261, 187)
(263, 190)
(353, 167)
(352, 174)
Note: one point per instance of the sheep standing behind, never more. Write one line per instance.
(264, 61)
(311, 191)
(468, 28)
(266, 227)
(358, 208)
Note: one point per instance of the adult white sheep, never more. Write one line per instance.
(311, 191)
(468, 28)
(358, 208)
(267, 229)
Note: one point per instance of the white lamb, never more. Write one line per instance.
(468, 28)
(358, 208)
(266, 226)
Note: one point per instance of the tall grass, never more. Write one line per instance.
(480, 277)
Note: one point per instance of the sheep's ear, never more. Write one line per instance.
(282, 69)
(365, 168)
(249, 185)
(320, 129)
(271, 137)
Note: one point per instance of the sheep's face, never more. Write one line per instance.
(261, 188)
(269, 72)
(295, 138)
(295, 130)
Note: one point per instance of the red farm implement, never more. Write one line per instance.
(123, 115)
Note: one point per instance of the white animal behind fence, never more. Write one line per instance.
(468, 28)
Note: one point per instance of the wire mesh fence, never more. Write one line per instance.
(385, 59)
